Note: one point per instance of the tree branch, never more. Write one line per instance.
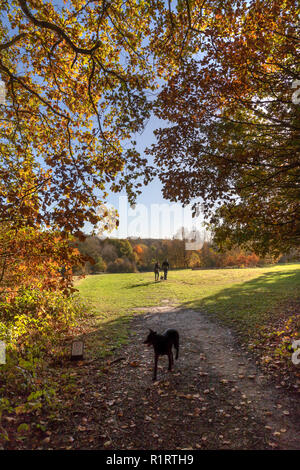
(10, 43)
(53, 27)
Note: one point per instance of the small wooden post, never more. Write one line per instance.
(77, 350)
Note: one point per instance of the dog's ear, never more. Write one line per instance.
(151, 331)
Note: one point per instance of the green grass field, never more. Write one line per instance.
(245, 299)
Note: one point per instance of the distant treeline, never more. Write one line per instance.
(132, 255)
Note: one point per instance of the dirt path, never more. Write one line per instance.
(215, 398)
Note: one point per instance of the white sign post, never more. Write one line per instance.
(77, 350)
(2, 92)
(2, 352)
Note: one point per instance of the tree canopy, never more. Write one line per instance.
(78, 74)
(81, 75)
(235, 123)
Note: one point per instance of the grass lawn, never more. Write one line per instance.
(246, 299)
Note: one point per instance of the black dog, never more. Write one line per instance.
(162, 345)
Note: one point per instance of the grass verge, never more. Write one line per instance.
(253, 301)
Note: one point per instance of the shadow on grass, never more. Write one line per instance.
(105, 338)
(142, 284)
(245, 306)
(250, 304)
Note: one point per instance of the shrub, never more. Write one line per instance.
(99, 266)
(36, 318)
(33, 324)
(121, 265)
(194, 260)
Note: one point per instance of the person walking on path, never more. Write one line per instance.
(156, 270)
(165, 266)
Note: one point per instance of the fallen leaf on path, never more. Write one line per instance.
(272, 444)
(134, 364)
(81, 428)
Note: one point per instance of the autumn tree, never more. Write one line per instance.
(109, 252)
(193, 259)
(234, 117)
(29, 257)
(78, 76)
(99, 266)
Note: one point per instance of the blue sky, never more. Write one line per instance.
(153, 216)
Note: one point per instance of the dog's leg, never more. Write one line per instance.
(155, 366)
(176, 346)
(171, 359)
